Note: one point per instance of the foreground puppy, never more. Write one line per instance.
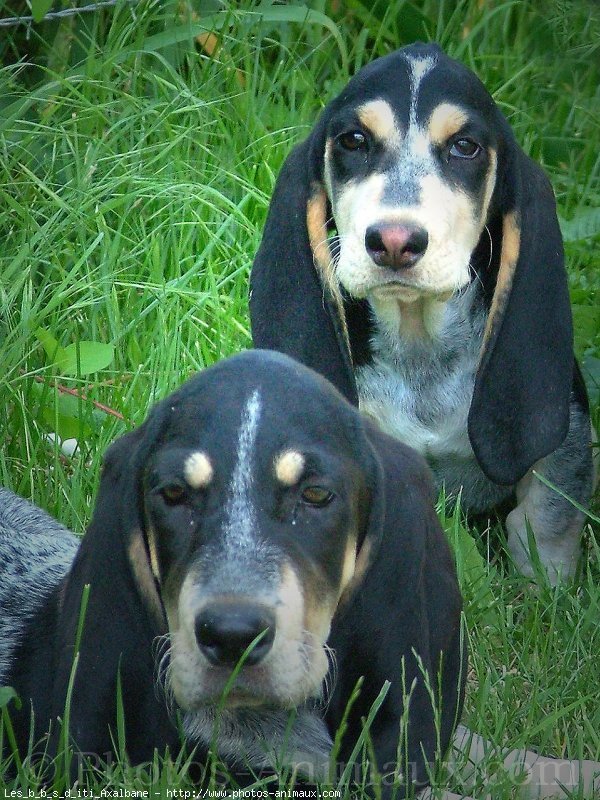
(253, 507)
(441, 304)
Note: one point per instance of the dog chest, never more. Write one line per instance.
(432, 420)
(419, 388)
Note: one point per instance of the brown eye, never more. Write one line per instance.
(353, 140)
(317, 496)
(173, 494)
(464, 148)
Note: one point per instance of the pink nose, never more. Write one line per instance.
(395, 246)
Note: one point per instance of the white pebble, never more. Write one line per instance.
(69, 446)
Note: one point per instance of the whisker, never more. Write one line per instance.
(162, 647)
(310, 644)
(331, 677)
(476, 273)
(491, 247)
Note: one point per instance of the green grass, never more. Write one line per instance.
(135, 175)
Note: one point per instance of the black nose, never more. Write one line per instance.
(224, 631)
(396, 246)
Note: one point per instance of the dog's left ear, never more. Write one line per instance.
(295, 303)
(520, 407)
(373, 516)
(404, 576)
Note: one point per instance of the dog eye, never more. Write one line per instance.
(173, 494)
(464, 148)
(353, 140)
(317, 496)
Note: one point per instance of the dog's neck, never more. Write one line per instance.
(259, 739)
(419, 318)
(428, 329)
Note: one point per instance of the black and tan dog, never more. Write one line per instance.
(439, 301)
(253, 504)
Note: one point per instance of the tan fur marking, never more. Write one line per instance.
(316, 224)
(153, 553)
(362, 563)
(378, 117)
(490, 183)
(413, 315)
(318, 616)
(320, 602)
(316, 219)
(349, 564)
(412, 324)
(142, 573)
(289, 466)
(511, 240)
(451, 218)
(446, 120)
(291, 601)
(198, 470)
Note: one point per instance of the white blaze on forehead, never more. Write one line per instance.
(241, 514)
(419, 68)
(198, 470)
(289, 466)
(418, 142)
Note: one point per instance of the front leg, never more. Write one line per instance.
(555, 521)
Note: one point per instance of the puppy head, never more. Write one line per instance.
(255, 492)
(410, 157)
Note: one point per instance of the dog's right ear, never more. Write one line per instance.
(118, 522)
(113, 630)
(295, 305)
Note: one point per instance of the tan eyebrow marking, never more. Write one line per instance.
(378, 117)
(289, 466)
(446, 120)
(198, 470)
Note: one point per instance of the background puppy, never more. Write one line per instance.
(441, 303)
(253, 506)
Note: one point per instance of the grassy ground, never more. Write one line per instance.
(136, 165)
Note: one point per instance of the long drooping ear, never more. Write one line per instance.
(520, 407)
(122, 618)
(372, 512)
(119, 496)
(295, 304)
(402, 623)
(118, 524)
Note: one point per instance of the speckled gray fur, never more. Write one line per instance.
(35, 554)
(419, 390)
